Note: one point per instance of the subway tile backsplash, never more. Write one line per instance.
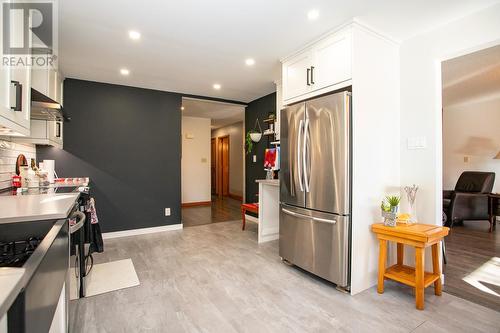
(8, 156)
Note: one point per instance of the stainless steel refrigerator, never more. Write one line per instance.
(315, 186)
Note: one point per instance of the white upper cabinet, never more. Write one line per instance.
(296, 74)
(332, 61)
(325, 64)
(44, 132)
(15, 88)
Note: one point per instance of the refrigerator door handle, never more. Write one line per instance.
(317, 219)
(304, 155)
(299, 164)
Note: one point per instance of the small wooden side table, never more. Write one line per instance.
(494, 209)
(419, 236)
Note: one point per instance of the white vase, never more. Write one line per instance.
(255, 137)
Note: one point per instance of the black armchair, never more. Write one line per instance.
(469, 200)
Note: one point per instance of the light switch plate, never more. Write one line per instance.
(167, 211)
(417, 142)
(254, 158)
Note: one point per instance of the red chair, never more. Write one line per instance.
(251, 207)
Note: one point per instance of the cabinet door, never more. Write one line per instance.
(53, 92)
(295, 76)
(332, 61)
(55, 129)
(15, 83)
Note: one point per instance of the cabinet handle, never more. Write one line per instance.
(312, 74)
(58, 129)
(308, 72)
(18, 96)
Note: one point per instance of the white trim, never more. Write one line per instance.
(212, 101)
(142, 231)
(250, 218)
(345, 26)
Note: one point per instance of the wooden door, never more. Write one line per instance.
(224, 165)
(213, 165)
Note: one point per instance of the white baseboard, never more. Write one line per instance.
(142, 231)
(251, 218)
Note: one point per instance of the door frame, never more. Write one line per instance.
(219, 167)
(213, 161)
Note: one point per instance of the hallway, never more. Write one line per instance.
(221, 210)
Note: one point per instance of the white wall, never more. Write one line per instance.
(236, 155)
(8, 156)
(471, 130)
(195, 166)
(375, 80)
(421, 115)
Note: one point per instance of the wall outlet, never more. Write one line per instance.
(167, 211)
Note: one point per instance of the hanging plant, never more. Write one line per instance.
(248, 143)
(252, 136)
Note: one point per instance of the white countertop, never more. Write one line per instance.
(22, 208)
(10, 282)
(272, 182)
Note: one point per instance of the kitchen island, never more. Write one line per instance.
(269, 200)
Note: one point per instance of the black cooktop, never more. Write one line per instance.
(15, 253)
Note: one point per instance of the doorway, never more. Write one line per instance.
(213, 155)
(471, 153)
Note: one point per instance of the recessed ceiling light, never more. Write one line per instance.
(250, 62)
(313, 14)
(182, 108)
(217, 86)
(135, 35)
(124, 71)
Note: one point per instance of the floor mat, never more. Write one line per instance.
(107, 277)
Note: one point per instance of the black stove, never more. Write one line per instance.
(16, 253)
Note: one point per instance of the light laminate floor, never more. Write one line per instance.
(216, 278)
(473, 268)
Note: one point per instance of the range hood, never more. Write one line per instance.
(44, 108)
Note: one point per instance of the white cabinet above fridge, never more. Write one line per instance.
(318, 68)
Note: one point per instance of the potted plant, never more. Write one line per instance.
(389, 209)
(393, 201)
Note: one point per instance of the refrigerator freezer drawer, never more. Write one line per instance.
(317, 242)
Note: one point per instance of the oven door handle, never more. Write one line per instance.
(79, 215)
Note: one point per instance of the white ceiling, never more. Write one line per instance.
(471, 78)
(221, 114)
(188, 45)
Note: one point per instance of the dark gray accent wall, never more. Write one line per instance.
(259, 108)
(127, 140)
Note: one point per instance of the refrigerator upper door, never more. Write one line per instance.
(292, 137)
(327, 154)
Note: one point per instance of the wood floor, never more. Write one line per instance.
(222, 210)
(474, 255)
(216, 278)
